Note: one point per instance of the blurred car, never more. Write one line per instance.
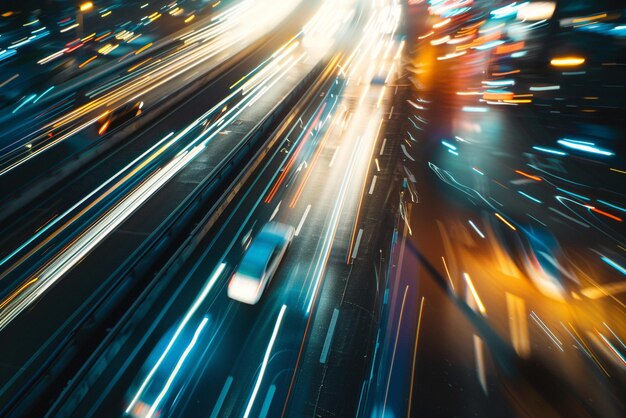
(538, 254)
(260, 263)
(118, 116)
(167, 370)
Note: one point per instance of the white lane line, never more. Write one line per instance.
(220, 400)
(520, 182)
(373, 185)
(266, 360)
(329, 336)
(382, 147)
(479, 357)
(356, 245)
(406, 152)
(518, 325)
(268, 401)
(332, 160)
(395, 347)
(275, 210)
(306, 212)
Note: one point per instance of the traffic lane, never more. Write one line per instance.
(499, 168)
(209, 253)
(248, 334)
(493, 167)
(55, 21)
(293, 286)
(152, 81)
(450, 244)
(22, 228)
(296, 285)
(167, 26)
(511, 160)
(429, 361)
(147, 223)
(454, 373)
(32, 220)
(540, 189)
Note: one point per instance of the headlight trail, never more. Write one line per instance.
(227, 34)
(59, 264)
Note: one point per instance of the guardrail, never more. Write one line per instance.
(132, 273)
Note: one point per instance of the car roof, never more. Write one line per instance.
(272, 233)
(255, 260)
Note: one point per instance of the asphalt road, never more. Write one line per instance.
(483, 333)
(250, 359)
(62, 304)
(421, 277)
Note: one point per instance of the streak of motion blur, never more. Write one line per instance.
(294, 208)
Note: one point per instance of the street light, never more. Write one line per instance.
(79, 17)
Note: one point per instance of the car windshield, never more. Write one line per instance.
(255, 261)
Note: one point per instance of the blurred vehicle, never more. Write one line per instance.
(260, 263)
(118, 116)
(539, 255)
(165, 373)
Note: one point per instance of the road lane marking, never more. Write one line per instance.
(275, 211)
(306, 212)
(479, 357)
(447, 272)
(329, 336)
(404, 150)
(266, 360)
(478, 231)
(504, 221)
(478, 303)
(356, 245)
(382, 147)
(373, 185)
(395, 346)
(332, 160)
(222, 397)
(448, 249)
(267, 402)
(518, 325)
(417, 336)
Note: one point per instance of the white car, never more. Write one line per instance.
(260, 263)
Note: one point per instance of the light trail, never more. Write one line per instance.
(190, 312)
(224, 37)
(64, 261)
(266, 359)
